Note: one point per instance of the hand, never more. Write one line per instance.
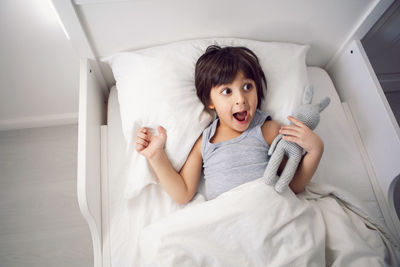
(300, 134)
(148, 144)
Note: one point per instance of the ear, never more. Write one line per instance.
(324, 103)
(308, 95)
(210, 104)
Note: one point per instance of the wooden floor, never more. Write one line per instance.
(40, 221)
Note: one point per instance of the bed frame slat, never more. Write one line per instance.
(92, 114)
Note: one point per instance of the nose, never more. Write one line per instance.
(240, 98)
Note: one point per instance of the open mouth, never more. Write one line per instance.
(241, 117)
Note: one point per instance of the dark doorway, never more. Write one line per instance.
(382, 45)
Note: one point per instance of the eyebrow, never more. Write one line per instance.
(227, 84)
(249, 80)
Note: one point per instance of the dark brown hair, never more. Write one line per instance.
(220, 65)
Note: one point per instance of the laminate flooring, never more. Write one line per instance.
(40, 220)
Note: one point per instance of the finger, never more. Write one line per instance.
(140, 147)
(292, 132)
(142, 142)
(300, 131)
(292, 139)
(296, 121)
(143, 136)
(147, 132)
(290, 127)
(161, 131)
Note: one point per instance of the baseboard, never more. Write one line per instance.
(39, 121)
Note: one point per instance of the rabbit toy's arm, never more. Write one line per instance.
(274, 143)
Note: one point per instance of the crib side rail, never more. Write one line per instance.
(92, 114)
(358, 85)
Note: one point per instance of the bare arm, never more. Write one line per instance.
(270, 130)
(312, 144)
(305, 138)
(306, 169)
(181, 186)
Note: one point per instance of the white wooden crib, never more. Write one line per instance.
(333, 28)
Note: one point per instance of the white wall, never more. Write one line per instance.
(39, 68)
(117, 25)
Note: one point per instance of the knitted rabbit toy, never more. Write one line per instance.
(307, 114)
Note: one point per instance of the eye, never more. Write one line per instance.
(248, 86)
(226, 91)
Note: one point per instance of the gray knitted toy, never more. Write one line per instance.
(307, 114)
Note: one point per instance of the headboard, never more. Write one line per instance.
(112, 26)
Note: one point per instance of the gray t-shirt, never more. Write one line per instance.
(236, 161)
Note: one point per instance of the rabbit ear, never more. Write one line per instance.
(324, 103)
(308, 95)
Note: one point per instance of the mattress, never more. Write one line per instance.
(341, 166)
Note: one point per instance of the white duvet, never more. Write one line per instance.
(252, 225)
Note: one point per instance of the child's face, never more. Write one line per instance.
(235, 103)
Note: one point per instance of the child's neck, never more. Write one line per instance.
(224, 133)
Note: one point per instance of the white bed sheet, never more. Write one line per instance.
(341, 160)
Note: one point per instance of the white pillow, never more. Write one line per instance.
(156, 87)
